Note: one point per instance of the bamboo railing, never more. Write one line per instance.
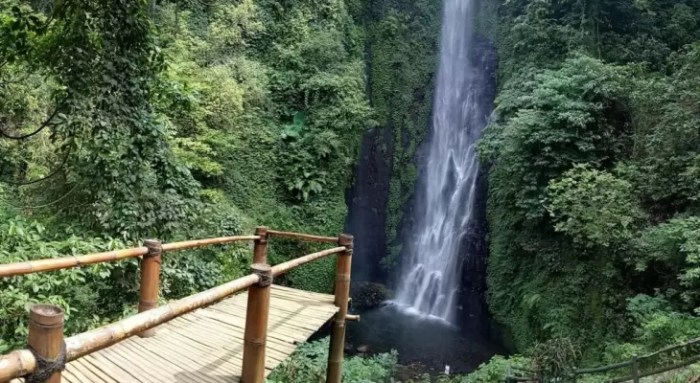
(46, 321)
(636, 372)
(635, 364)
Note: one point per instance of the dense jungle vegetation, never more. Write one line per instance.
(594, 164)
(127, 119)
(123, 120)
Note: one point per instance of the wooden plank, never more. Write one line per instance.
(193, 361)
(163, 365)
(234, 322)
(282, 307)
(94, 372)
(277, 337)
(82, 375)
(274, 345)
(304, 295)
(88, 375)
(136, 366)
(300, 312)
(114, 370)
(283, 324)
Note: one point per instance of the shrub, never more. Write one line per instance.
(309, 361)
(369, 295)
(495, 370)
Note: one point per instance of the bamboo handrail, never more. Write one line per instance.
(283, 268)
(661, 370)
(91, 341)
(302, 236)
(20, 363)
(206, 242)
(39, 265)
(691, 342)
(16, 364)
(29, 267)
(633, 364)
(628, 363)
(604, 368)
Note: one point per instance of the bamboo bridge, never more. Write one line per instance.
(213, 336)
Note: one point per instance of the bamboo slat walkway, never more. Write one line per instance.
(206, 345)
(211, 336)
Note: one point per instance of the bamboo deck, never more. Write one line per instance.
(206, 345)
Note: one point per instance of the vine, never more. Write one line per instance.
(105, 58)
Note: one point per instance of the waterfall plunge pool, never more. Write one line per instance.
(424, 344)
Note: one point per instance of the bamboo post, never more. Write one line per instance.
(635, 369)
(46, 339)
(256, 319)
(260, 249)
(150, 280)
(342, 295)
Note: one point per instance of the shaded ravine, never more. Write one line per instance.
(448, 205)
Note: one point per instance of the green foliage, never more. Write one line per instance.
(493, 371)
(593, 183)
(135, 184)
(675, 247)
(496, 369)
(171, 120)
(402, 48)
(118, 174)
(86, 294)
(556, 358)
(304, 151)
(594, 208)
(553, 120)
(666, 141)
(309, 361)
(548, 123)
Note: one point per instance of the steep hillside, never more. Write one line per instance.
(593, 156)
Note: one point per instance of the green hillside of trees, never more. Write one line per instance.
(594, 154)
(123, 120)
(127, 119)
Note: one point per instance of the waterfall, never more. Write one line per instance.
(430, 279)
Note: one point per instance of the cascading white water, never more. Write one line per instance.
(430, 280)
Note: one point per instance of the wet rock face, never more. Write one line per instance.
(369, 295)
(367, 204)
(473, 311)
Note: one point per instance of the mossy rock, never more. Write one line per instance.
(368, 295)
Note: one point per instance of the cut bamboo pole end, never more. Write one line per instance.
(46, 339)
(257, 314)
(150, 280)
(260, 249)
